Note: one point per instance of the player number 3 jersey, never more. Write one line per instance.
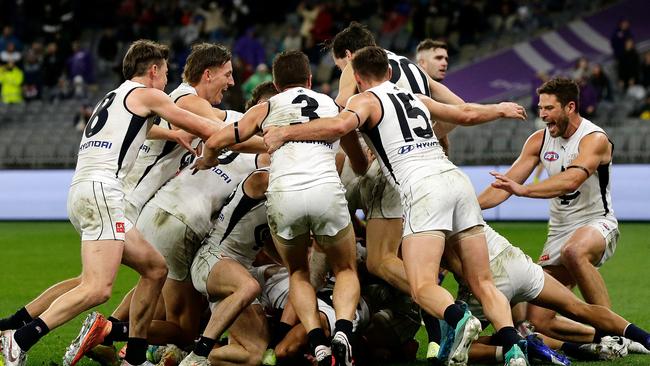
(299, 165)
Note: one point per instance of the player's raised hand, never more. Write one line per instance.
(184, 139)
(274, 138)
(513, 110)
(202, 163)
(508, 185)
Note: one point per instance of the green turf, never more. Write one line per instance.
(34, 255)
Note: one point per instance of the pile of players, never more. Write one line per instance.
(226, 237)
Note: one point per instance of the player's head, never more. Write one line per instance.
(261, 94)
(348, 41)
(370, 64)
(558, 101)
(146, 58)
(291, 69)
(209, 66)
(433, 58)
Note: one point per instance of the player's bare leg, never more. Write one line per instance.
(471, 246)
(302, 295)
(182, 311)
(150, 264)
(233, 284)
(579, 256)
(37, 306)
(383, 239)
(422, 253)
(248, 338)
(547, 321)
(341, 254)
(100, 261)
(291, 344)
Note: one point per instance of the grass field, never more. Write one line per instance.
(35, 255)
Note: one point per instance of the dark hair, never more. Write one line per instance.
(291, 68)
(565, 90)
(353, 38)
(371, 62)
(430, 44)
(204, 56)
(263, 90)
(142, 54)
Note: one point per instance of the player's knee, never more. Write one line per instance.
(156, 269)
(98, 295)
(374, 265)
(572, 254)
(251, 289)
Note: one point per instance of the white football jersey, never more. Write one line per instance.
(408, 75)
(592, 199)
(299, 165)
(111, 139)
(158, 161)
(403, 140)
(241, 227)
(194, 199)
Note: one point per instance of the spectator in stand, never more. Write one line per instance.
(250, 51)
(308, 10)
(628, 65)
(81, 64)
(292, 40)
(621, 34)
(82, 116)
(33, 84)
(645, 71)
(52, 70)
(9, 36)
(10, 54)
(11, 78)
(261, 75)
(601, 84)
(322, 29)
(588, 98)
(214, 22)
(580, 69)
(106, 51)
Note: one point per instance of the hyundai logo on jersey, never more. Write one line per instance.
(405, 149)
(551, 156)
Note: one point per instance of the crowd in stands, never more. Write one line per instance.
(598, 88)
(56, 50)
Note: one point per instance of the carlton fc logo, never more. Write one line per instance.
(551, 156)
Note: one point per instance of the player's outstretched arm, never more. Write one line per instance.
(443, 94)
(471, 114)
(232, 134)
(354, 115)
(594, 150)
(518, 172)
(150, 100)
(181, 137)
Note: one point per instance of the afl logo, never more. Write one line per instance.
(405, 149)
(551, 156)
